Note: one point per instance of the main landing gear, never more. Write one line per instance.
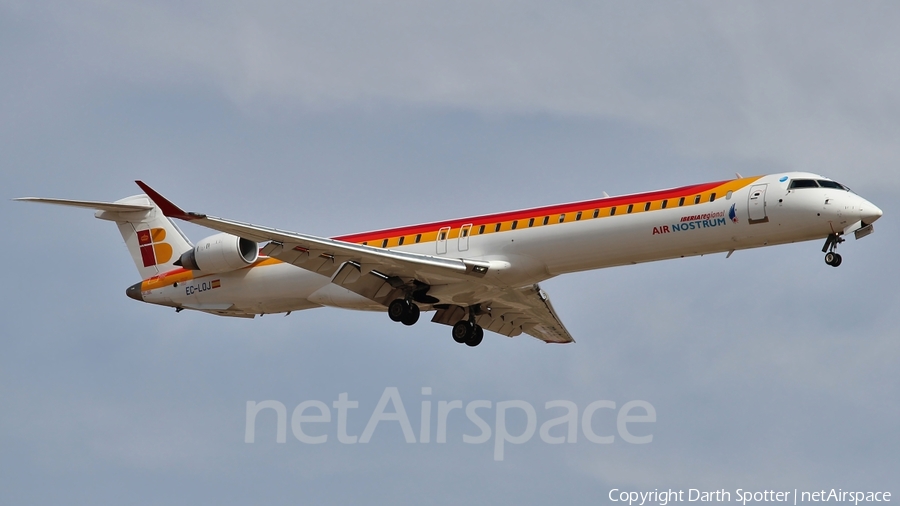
(464, 331)
(468, 332)
(403, 311)
(831, 257)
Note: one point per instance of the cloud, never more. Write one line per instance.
(791, 86)
(331, 118)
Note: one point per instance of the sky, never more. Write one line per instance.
(768, 370)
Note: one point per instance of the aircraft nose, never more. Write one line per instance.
(134, 292)
(870, 212)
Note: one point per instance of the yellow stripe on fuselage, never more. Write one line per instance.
(569, 216)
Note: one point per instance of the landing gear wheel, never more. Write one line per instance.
(477, 336)
(412, 315)
(833, 259)
(462, 331)
(831, 243)
(397, 310)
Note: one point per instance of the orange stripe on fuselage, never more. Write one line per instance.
(181, 275)
(429, 231)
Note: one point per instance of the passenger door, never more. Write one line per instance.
(464, 232)
(756, 204)
(443, 235)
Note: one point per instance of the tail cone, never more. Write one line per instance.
(134, 292)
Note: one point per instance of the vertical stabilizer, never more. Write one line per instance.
(153, 240)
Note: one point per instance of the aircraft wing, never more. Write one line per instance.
(325, 256)
(384, 274)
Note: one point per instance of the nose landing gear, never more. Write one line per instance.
(831, 257)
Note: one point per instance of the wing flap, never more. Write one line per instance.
(513, 312)
(372, 285)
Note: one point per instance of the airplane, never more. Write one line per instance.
(477, 273)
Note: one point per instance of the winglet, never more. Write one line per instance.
(168, 208)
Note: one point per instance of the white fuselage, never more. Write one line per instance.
(762, 212)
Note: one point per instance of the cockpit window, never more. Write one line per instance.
(832, 184)
(803, 183)
(816, 183)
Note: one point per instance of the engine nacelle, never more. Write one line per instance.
(220, 253)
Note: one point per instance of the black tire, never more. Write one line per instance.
(837, 260)
(462, 330)
(477, 337)
(412, 315)
(397, 310)
(831, 258)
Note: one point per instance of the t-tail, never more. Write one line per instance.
(155, 243)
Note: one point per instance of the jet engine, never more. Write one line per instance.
(220, 253)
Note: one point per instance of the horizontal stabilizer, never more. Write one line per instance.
(89, 204)
(153, 241)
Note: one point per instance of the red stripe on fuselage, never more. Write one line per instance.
(623, 200)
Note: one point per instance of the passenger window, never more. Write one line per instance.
(612, 211)
(596, 213)
(647, 206)
(578, 216)
(630, 208)
(497, 228)
(697, 199)
(481, 230)
(365, 243)
(681, 202)
(418, 238)
(443, 236)
(712, 197)
(562, 218)
(665, 203)
(515, 223)
(546, 220)
(384, 243)
(400, 242)
(530, 222)
(465, 232)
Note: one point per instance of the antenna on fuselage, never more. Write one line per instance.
(739, 176)
(605, 195)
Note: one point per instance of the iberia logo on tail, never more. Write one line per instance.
(153, 250)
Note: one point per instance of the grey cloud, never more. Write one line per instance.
(767, 368)
(781, 83)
